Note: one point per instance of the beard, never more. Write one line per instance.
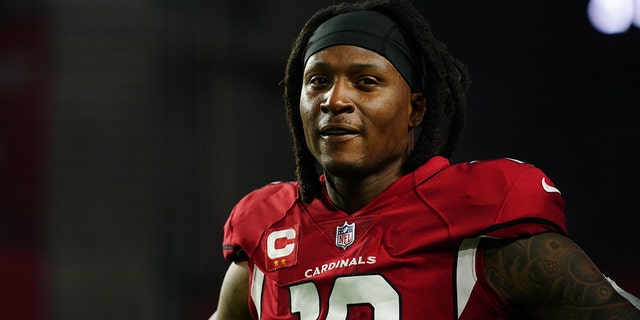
(355, 169)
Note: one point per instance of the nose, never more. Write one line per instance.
(338, 99)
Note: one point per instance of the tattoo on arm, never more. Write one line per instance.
(548, 276)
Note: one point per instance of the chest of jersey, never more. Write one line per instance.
(393, 263)
(409, 254)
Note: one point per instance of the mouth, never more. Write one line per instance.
(328, 131)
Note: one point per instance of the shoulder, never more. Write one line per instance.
(493, 195)
(504, 169)
(487, 179)
(253, 214)
(274, 191)
(493, 178)
(495, 171)
(275, 197)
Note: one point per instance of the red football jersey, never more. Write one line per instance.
(409, 254)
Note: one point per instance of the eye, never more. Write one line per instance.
(367, 82)
(318, 80)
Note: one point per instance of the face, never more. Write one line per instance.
(357, 112)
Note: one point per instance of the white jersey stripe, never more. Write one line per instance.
(466, 272)
(633, 299)
(256, 289)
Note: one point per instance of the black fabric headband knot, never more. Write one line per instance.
(373, 31)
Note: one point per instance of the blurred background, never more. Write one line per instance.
(129, 129)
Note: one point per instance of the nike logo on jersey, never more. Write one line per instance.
(549, 188)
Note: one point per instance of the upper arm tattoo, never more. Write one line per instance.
(548, 276)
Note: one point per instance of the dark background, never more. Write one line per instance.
(128, 129)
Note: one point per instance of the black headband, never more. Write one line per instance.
(373, 31)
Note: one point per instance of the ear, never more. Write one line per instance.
(418, 109)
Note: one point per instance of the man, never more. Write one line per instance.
(390, 229)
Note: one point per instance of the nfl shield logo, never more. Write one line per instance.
(345, 234)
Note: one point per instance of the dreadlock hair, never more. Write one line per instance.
(445, 90)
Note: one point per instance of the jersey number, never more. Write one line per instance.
(373, 290)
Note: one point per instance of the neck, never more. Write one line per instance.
(352, 194)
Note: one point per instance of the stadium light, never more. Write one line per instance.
(614, 16)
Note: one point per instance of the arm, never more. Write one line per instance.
(547, 276)
(234, 294)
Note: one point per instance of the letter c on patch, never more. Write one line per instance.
(275, 253)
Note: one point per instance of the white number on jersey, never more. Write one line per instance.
(373, 290)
